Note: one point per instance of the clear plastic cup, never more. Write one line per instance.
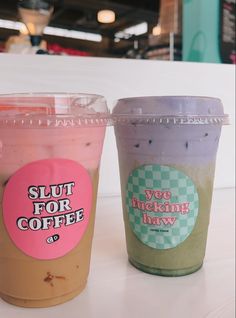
(50, 151)
(167, 150)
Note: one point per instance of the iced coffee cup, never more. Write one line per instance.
(167, 150)
(50, 150)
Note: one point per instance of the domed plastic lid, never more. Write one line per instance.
(169, 109)
(50, 110)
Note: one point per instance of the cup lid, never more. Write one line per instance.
(53, 110)
(169, 109)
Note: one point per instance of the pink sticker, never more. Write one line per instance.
(46, 207)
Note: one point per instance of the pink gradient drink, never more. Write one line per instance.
(50, 150)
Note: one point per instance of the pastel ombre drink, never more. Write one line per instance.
(50, 150)
(167, 150)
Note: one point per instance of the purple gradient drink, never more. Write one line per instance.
(167, 150)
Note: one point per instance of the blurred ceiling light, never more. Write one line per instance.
(156, 30)
(12, 25)
(137, 29)
(23, 30)
(31, 28)
(73, 34)
(8, 24)
(106, 16)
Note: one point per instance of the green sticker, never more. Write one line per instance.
(162, 205)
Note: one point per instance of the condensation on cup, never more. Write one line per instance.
(50, 151)
(167, 151)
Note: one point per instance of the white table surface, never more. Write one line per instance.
(119, 78)
(115, 289)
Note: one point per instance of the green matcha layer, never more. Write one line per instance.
(165, 272)
(187, 257)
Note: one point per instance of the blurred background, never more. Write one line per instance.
(188, 30)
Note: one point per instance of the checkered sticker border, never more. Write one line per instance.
(161, 230)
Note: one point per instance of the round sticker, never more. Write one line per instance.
(162, 205)
(46, 207)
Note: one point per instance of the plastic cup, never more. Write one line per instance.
(167, 150)
(50, 150)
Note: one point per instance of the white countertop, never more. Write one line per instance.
(120, 78)
(115, 289)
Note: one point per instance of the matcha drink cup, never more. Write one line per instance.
(50, 150)
(167, 150)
